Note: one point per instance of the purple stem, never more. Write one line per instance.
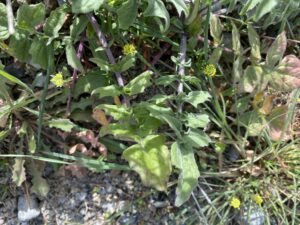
(182, 56)
(74, 75)
(104, 44)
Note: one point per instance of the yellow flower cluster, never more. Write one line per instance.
(258, 199)
(129, 49)
(235, 203)
(58, 80)
(210, 70)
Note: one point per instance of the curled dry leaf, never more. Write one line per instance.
(82, 149)
(88, 137)
(102, 150)
(254, 170)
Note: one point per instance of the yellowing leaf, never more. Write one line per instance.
(267, 105)
(18, 173)
(100, 117)
(151, 159)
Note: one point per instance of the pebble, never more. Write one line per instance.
(80, 196)
(160, 204)
(108, 207)
(28, 208)
(255, 217)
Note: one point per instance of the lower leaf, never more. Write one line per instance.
(183, 158)
(151, 160)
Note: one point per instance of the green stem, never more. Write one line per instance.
(44, 94)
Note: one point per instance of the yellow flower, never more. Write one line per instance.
(258, 199)
(210, 70)
(129, 49)
(235, 203)
(58, 80)
(298, 100)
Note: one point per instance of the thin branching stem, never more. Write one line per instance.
(107, 50)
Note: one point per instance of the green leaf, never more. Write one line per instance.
(117, 112)
(165, 115)
(183, 158)
(29, 16)
(196, 138)
(138, 84)
(216, 29)
(160, 98)
(78, 25)
(20, 45)
(111, 90)
(276, 50)
(63, 124)
(151, 160)
(14, 80)
(180, 6)
(39, 52)
(241, 105)
(254, 43)
(249, 5)
(89, 82)
(124, 64)
(121, 131)
(157, 8)
(253, 122)
(126, 19)
(192, 17)
(39, 184)
(215, 56)
(253, 79)
(196, 120)
(31, 140)
(86, 6)
(18, 173)
(264, 7)
(197, 97)
(237, 70)
(55, 22)
(236, 43)
(72, 58)
(3, 23)
(166, 80)
(102, 64)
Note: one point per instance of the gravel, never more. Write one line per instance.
(28, 208)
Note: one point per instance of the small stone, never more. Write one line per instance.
(2, 221)
(109, 189)
(256, 216)
(72, 204)
(108, 207)
(28, 209)
(80, 196)
(122, 206)
(160, 204)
